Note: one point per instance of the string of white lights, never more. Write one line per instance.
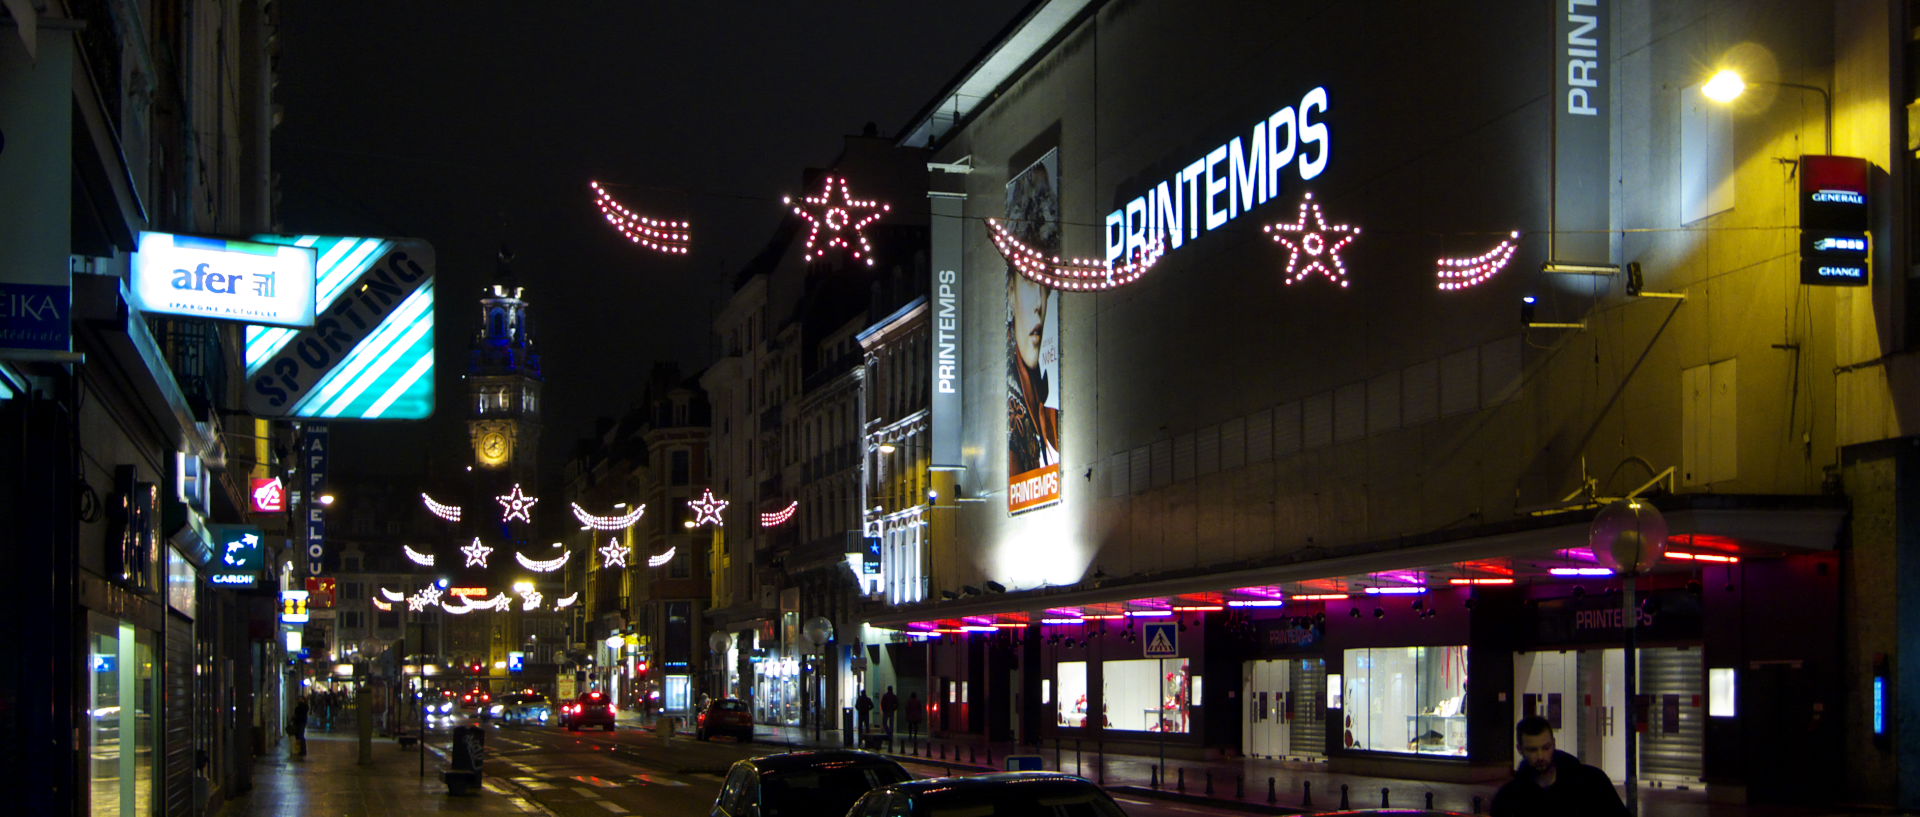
(608, 523)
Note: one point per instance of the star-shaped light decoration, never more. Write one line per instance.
(477, 553)
(427, 597)
(614, 554)
(838, 219)
(516, 505)
(530, 599)
(706, 509)
(1319, 241)
(500, 603)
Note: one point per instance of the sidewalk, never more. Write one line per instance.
(329, 780)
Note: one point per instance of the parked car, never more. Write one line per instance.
(803, 784)
(1006, 794)
(523, 708)
(590, 709)
(724, 716)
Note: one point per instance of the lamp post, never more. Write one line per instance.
(1726, 85)
(818, 632)
(1629, 536)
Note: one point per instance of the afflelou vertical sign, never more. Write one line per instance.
(315, 461)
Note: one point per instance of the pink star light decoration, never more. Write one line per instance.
(516, 505)
(1314, 238)
(848, 216)
(706, 509)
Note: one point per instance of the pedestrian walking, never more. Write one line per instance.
(297, 728)
(1552, 783)
(863, 707)
(889, 703)
(915, 711)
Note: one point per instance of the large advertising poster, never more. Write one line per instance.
(1033, 343)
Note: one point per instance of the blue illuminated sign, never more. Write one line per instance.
(223, 279)
(238, 555)
(1879, 704)
(35, 316)
(369, 354)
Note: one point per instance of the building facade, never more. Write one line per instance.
(1306, 458)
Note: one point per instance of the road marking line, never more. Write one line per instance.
(590, 794)
(614, 807)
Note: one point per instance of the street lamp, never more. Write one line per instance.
(1629, 535)
(1726, 85)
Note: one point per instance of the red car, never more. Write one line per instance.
(590, 709)
(725, 716)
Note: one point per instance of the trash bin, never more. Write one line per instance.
(846, 726)
(665, 726)
(464, 762)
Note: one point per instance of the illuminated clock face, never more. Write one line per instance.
(493, 445)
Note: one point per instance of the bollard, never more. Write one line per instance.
(1343, 797)
(1476, 804)
(1383, 797)
(943, 751)
(1306, 794)
(1100, 768)
(1056, 754)
(1429, 801)
(1239, 787)
(1153, 777)
(1209, 782)
(1076, 757)
(973, 755)
(1272, 796)
(1183, 781)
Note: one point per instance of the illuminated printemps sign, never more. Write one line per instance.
(1229, 180)
(224, 279)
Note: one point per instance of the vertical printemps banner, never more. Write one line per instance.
(1033, 343)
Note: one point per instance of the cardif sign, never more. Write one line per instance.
(1229, 180)
(224, 279)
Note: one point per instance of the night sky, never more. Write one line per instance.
(478, 124)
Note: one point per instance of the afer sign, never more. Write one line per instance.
(1229, 180)
(223, 279)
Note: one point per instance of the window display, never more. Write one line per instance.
(1070, 705)
(1148, 695)
(1406, 699)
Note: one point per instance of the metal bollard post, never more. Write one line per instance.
(1429, 801)
(1239, 787)
(1056, 754)
(1306, 794)
(1272, 796)
(943, 751)
(1100, 768)
(1076, 757)
(1209, 782)
(1343, 797)
(973, 755)
(1183, 781)
(1153, 777)
(1476, 804)
(1383, 797)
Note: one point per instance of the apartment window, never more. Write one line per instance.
(680, 470)
(350, 619)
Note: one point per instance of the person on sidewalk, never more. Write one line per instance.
(915, 711)
(1552, 783)
(297, 728)
(863, 709)
(889, 703)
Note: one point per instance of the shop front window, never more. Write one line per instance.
(1406, 699)
(1147, 695)
(1070, 701)
(120, 723)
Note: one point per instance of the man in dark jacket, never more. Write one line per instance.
(1552, 783)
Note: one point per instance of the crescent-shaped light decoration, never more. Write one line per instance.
(780, 517)
(451, 513)
(564, 603)
(659, 235)
(656, 561)
(609, 523)
(1080, 274)
(1460, 273)
(422, 559)
(381, 605)
(392, 595)
(464, 608)
(543, 565)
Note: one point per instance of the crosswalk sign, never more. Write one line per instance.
(1160, 640)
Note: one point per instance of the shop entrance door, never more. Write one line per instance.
(1583, 693)
(1283, 703)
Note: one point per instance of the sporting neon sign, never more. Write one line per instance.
(1229, 180)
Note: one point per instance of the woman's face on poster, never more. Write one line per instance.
(1029, 319)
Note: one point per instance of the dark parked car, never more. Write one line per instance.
(724, 716)
(1007, 794)
(803, 784)
(590, 709)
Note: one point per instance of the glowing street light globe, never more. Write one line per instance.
(1724, 86)
(1628, 536)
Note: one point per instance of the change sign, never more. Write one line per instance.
(369, 353)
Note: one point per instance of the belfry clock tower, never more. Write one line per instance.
(503, 384)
